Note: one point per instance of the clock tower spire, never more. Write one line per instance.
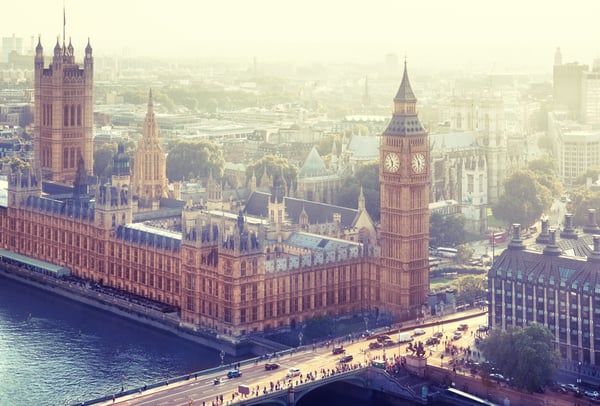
(404, 178)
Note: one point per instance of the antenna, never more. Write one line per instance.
(64, 22)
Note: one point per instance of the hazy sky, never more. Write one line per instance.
(491, 34)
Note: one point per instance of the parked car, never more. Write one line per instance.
(346, 358)
(234, 373)
(293, 372)
(375, 345)
(270, 365)
(338, 350)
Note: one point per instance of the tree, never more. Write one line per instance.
(193, 159)
(545, 174)
(446, 231)
(593, 173)
(471, 289)
(524, 199)
(583, 199)
(103, 156)
(274, 166)
(367, 176)
(464, 253)
(526, 355)
(15, 163)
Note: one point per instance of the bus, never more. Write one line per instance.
(446, 252)
(497, 238)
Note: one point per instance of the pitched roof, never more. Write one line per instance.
(405, 92)
(313, 165)
(318, 213)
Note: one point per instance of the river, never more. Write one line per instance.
(54, 351)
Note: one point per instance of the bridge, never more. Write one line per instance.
(319, 368)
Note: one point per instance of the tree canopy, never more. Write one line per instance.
(524, 200)
(446, 231)
(471, 289)
(583, 199)
(275, 166)
(526, 355)
(189, 159)
(367, 176)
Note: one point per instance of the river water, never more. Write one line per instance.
(54, 351)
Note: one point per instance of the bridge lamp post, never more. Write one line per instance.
(300, 337)
(366, 319)
(222, 355)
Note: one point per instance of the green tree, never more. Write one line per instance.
(464, 253)
(446, 231)
(367, 176)
(526, 355)
(275, 166)
(103, 156)
(471, 289)
(15, 163)
(583, 199)
(545, 171)
(194, 159)
(593, 173)
(524, 199)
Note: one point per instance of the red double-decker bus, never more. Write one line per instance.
(498, 237)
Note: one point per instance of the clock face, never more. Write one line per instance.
(418, 163)
(391, 162)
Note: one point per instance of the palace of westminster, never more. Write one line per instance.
(232, 272)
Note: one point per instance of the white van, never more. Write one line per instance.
(293, 372)
(404, 337)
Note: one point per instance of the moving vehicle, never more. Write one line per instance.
(346, 358)
(234, 373)
(382, 338)
(463, 327)
(389, 342)
(418, 332)
(378, 364)
(338, 350)
(445, 252)
(404, 337)
(457, 335)
(270, 365)
(375, 345)
(432, 341)
(293, 372)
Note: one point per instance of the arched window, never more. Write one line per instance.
(79, 115)
(72, 115)
(66, 116)
(66, 158)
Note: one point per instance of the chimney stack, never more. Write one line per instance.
(569, 230)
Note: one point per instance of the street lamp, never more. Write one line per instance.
(366, 319)
(300, 337)
(222, 355)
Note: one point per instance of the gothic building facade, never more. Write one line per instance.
(234, 273)
(64, 113)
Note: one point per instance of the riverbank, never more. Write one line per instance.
(126, 308)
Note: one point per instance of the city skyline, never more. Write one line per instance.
(465, 34)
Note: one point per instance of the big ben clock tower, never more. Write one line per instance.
(404, 178)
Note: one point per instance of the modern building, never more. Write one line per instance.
(555, 283)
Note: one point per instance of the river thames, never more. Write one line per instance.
(54, 351)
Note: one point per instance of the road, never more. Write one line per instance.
(203, 389)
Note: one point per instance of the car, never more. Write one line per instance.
(432, 341)
(483, 329)
(338, 350)
(463, 327)
(271, 365)
(498, 377)
(418, 332)
(382, 338)
(375, 345)
(293, 372)
(571, 387)
(457, 335)
(388, 343)
(438, 334)
(234, 373)
(591, 394)
(346, 358)
(217, 381)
